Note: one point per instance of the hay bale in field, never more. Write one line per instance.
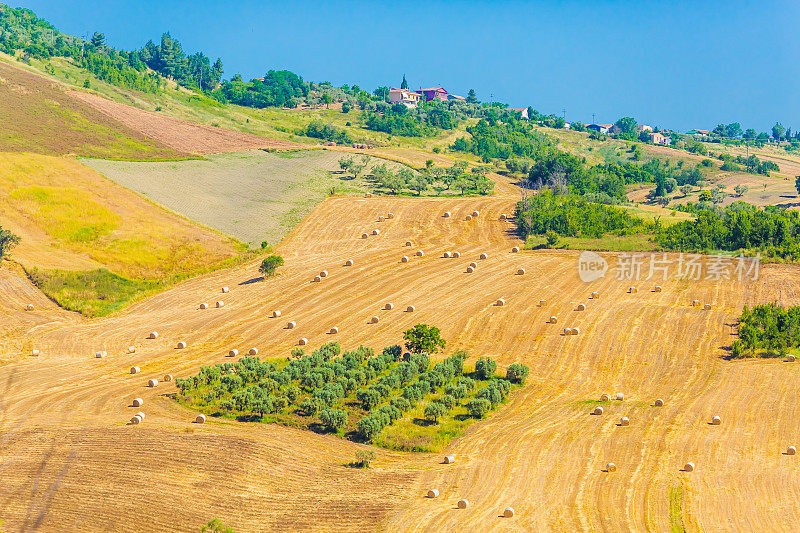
(376, 231)
(695, 303)
(716, 420)
(553, 320)
(791, 450)
(483, 256)
(449, 459)
(433, 493)
(409, 243)
(153, 335)
(619, 397)
(790, 358)
(302, 342)
(515, 250)
(446, 214)
(374, 320)
(252, 351)
(468, 218)
(567, 331)
(34, 352)
(220, 303)
(317, 279)
(447, 254)
(542, 303)
(131, 349)
(575, 331)
(611, 467)
(348, 263)
(29, 307)
(291, 325)
(203, 305)
(381, 218)
(470, 270)
(410, 309)
(200, 419)
(624, 421)
(365, 235)
(688, 467)
(276, 314)
(368, 195)
(503, 216)
(152, 383)
(136, 420)
(508, 513)
(140, 415)
(475, 214)
(181, 345)
(659, 402)
(500, 302)
(707, 307)
(388, 307)
(632, 290)
(598, 410)
(323, 274)
(137, 402)
(473, 264)
(604, 397)
(594, 296)
(100, 354)
(520, 272)
(334, 330)
(456, 255)
(580, 307)
(462, 504)
(225, 289)
(390, 215)
(420, 253)
(233, 353)
(135, 370)
(657, 288)
(404, 259)
(168, 377)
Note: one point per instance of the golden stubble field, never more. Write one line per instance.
(68, 460)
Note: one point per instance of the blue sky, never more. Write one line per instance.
(679, 64)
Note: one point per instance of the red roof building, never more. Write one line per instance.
(433, 93)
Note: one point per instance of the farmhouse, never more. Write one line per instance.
(523, 111)
(643, 127)
(456, 97)
(659, 138)
(698, 132)
(433, 93)
(403, 96)
(600, 128)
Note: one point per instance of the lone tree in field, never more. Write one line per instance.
(423, 338)
(270, 264)
(7, 241)
(797, 185)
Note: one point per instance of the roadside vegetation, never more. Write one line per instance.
(7, 241)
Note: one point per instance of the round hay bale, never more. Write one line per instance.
(503, 216)
(446, 214)
(659, 402)
(483, 256)
(500, 302)
(470, 270)
(252, 351)
(135, 370)
(225, 289)
(447, 254)
(200, 419)
(365, 235)
(456, 254)
(381, 218)
(203, 305)
(473, 264)
(515, 250)
(153, 335)
(575, 331)
(334, 330)
(376, 231)
(100, 354)
(409, 243)
(716, 420)
(594, 296)
(632, 290)
(348, 263)
(276, 314)
(619, 397)
(368, 195)
(520, 272)
(390, 215)
(657, 288)
(604, 397)
(152, 383)
(567, 331)
(302, 342)
(388, 307)
(233, 353)
(317, 279)
(410, 309)
(137, 402)
(404, 259)
(420, 253)
(598, 410)
(433, 493)
(449, 459)
(791, 450)
(136, 420)
(181, 345)
(291, 325)
(475, 214)
(168, 377)
(34, 352)
(707, 307)
(140, 415)
(553, 320)
(462, 504)
(695, 303)
(611, 467)
(624, 421)
(323, 274)
(468, 218)
(374, 320)
(508, 513)
(581, 307)
(29, 307)
(542, 303)
(689, 467)
(790, 358)
(220, 304)
(131, 349)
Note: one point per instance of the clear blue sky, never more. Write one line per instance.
(679, 64)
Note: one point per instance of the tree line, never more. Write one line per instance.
(767, 327)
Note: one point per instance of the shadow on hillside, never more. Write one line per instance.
(252, 280)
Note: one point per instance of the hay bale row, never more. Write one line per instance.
(374, 320)
(252, 351)
(447, 254)
(594, 296)
(291, 325)
(153, 335)
(659, 402)
(317, 279)
(35, 352)
(29, 307)
(581, 307)
(404, 259)
(137, 402)
(135, 370)
(716, 420)
(203, 305)
(500, 302)
(388, 307)
(181, 345)
(302, 342)
(515, 250)
(233, 353)
(220, 303)
(462, 504)
(376, 231)
(390, 215)
(624, 421)
(323, 274)
(604, 397)
(611, 467)
(348, 263)
(598, 410)
(446, 214)
(553, 320)
(225, 289)
(152, 383)
(420, 253)
(409, 244)
(200, 419)
(468, 218)
(410, 309)
(456, 255)
(689, 467)
(168, 377)
(619, 397)
(657, 288)
(520, 272)
(449, 459)
(483, 256)
(470, 270)
(365, 235)
(100, 354)
(334, 330)
(276, 314)
(633, 290)
(433, 493)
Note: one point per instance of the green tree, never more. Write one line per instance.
(434, 411)
(404, 83)
(216, 526)
(778, 131)
(472, 97)
(98, 40)
(627, 126)
(796, 186)
(478, 407)
(7, 241)
(364, 457)
(749, 134)
(346, 106)
(270, 264)
(517, 373)
(327, 100)
(423, 338)
(734, 130)
(333, 418)
(705, 196)
(418, 183)
(686, 189)
(485, 367)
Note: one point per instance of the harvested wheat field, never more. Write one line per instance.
(180, 135)
(69, 459)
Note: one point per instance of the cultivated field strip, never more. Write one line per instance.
(69, 460)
